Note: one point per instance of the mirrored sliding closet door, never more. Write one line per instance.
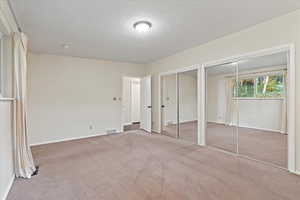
(187, 98)
(262, 97)
(221, 107)
(169, 107)
(179, 105)
(246, 108)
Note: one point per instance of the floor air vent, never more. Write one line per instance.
(111, 131)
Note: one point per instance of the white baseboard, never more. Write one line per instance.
(188, 121)
(296, 172)
(263, 129)
(183, 121)
(130, 123)
(155, 131)
(10, 183)
(67, 139)
(127, 124)
(215, 122)
(252, 127)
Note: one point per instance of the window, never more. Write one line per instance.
(246, 88)
(270, 86)
(264, 86)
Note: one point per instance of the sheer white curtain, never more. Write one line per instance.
(229, 102)
(283, 128)
(24, 165)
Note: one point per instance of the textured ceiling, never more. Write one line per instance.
(103, 29)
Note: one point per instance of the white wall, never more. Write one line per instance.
(187, 98)
(131, 100)
(253, 113)
(6, 131)
(71, 97)
(135, 101)
(216, 97)
(6, 148)
(169, 99)
(126, 101)
(275, 32)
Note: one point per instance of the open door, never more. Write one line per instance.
(146, 106)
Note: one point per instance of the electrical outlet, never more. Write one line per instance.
(91, 127)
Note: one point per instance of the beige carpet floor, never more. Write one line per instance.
(138, 166)
(187, 131)
(262, 145)
(258, 144)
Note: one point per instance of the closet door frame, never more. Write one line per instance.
(290, 50)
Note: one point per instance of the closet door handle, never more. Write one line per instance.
(149, 106)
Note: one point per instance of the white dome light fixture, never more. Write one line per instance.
(142, 26)
(65, 46)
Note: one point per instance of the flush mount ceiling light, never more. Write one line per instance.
(65, 46)
(142, 26)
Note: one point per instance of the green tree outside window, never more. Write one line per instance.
(267, 86)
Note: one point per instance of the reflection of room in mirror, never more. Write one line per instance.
(187, 97)
(169, 102)
(246, 108)
(179, 105)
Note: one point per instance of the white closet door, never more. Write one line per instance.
(146, 106)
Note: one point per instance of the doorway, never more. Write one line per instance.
(179, 105)
(248, 105)
(131, 103)
(136, 113)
